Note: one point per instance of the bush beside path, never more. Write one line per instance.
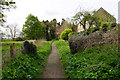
(28, 66)
(93, 63)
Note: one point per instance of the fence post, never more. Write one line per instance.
(12, 50)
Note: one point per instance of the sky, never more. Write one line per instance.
(50, 9)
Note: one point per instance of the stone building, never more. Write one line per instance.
(103, 15)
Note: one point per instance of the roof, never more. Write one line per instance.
(102, 13)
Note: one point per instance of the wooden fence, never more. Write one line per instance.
(12, 54)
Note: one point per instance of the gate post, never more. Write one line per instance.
(12, 50)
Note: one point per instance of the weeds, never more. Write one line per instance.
(96, 62)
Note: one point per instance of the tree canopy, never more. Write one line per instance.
(32, 28)
(83, 16)
(5, 5)
(50, 30)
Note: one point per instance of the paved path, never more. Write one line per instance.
(53, 67)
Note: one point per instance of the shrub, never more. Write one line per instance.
(96, 29)
(105, 26)
(91, 30)
(113, 24)
(93, 63)
(81, 42)
(87, 32)
(19, 39)
(29, 48)
(28, 66)
(64, 34)
(70, 34)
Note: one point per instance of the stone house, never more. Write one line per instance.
(103, 15)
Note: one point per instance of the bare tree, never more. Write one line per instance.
(13, 30)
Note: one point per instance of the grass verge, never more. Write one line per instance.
(96, 62)
(5, 47)
(28, 66)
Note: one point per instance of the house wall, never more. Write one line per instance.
(105, 16)
(80, 27)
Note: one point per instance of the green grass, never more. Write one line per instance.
(6, 46)
(12, 42)
(5, 51)
(28, 66)
(96, 62)
(6, 40)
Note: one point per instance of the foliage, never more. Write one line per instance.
(82, 17)
(91, 30)
(64, 34)
(53, 28)
(28, 66)
(105, 26)
(19, 39)
(46, 23)
(113, 24)
(6, 40)
(92, 37)
(50, 29)
(96, 62)
(70, 34)
(32, 28)
(5, 5)
(5, 47)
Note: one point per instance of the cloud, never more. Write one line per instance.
(50, 9)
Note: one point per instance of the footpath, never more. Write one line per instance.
(53, 67)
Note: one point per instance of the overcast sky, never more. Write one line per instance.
(50, 9)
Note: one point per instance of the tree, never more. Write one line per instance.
(13, 30)
(46, 30)
(5, 5)
(50, 29)
(53, 29)
(83, 16)
(62, 21)
(32, 28)
(94, 20)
